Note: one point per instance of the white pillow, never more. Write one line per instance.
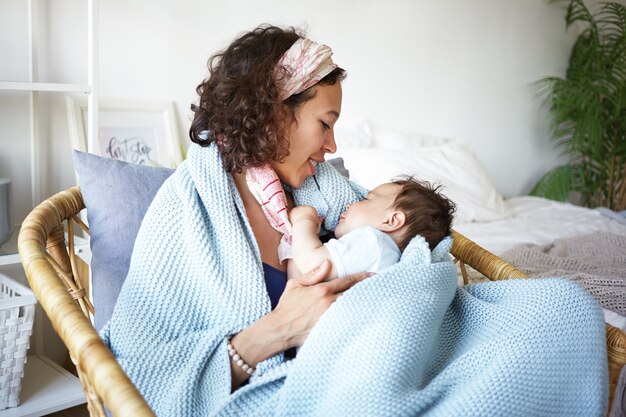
(354, 134)
(452, 165)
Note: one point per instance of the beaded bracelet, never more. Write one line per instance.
(238, 360)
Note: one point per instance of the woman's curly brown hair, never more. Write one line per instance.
(239, 104)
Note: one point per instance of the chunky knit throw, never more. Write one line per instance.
(404, 342)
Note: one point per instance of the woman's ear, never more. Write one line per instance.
(394, 221)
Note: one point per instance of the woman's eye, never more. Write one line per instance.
(325, 125)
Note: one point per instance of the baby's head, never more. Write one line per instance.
(403, 209)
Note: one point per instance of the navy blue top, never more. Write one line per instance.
(275, 281)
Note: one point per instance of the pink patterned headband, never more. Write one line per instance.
(306, 63)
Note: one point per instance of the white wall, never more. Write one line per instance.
(457, 68)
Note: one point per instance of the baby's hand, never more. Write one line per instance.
(303, 213)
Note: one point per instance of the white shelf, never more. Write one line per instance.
(52, 87)
(46, 388)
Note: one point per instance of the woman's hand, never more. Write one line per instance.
(302, 304)
(306, 298)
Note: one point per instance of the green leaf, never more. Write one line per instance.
(556, 184)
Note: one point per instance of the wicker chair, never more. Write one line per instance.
(54, 278)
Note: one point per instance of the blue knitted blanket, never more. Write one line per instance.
(404, 342)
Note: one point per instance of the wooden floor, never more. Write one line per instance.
(78, 411)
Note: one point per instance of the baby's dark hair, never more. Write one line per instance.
(428, 212)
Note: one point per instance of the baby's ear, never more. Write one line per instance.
(394, 221)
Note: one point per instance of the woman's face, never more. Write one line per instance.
(311, 136)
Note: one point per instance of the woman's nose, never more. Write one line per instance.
(329, 144)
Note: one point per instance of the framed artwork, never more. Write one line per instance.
(137, 131)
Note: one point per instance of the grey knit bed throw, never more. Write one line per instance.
(596, 261)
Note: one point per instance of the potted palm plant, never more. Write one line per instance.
(588, 110)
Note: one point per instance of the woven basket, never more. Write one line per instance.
(17, 313)
(54, 278)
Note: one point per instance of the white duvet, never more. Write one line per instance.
(538, 221)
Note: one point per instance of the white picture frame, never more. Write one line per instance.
(137, 131)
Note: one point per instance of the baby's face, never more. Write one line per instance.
(372, 211)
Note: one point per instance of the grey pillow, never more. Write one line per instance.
(117, 195)
(338, 164)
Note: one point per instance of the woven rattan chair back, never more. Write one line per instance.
(53, 277)
(52, 270)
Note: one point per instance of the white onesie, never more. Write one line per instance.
(365, 249)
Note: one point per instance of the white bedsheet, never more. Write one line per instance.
(539, 221)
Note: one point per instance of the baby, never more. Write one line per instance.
(372, 233)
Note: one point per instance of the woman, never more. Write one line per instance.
(259, 112)
(268, 107)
